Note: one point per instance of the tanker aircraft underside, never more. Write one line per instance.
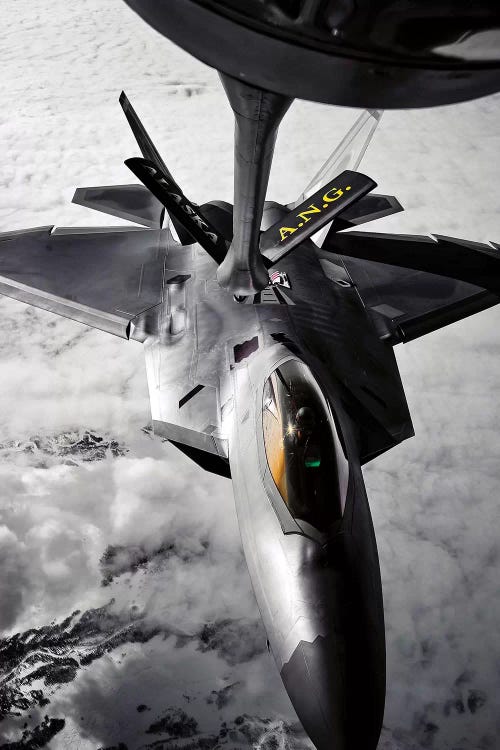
(268, 333)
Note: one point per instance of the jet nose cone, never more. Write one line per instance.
(338, 710)
(315, 685)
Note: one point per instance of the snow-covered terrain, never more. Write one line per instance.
(126, 611)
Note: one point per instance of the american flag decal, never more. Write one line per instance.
(280, 278)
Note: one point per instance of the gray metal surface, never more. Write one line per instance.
(414, 285)
(101, 279)
(130, 202)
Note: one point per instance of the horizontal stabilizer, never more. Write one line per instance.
(104, 279)
(413, 285)
(369, 208)
(186, 213)
(131, 202)
(319, 209)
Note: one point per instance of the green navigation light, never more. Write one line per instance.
(312, 462)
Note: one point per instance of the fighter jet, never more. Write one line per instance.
(268, 332)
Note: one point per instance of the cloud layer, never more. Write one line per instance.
(160, 533)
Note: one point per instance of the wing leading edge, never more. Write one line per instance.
(102, 278)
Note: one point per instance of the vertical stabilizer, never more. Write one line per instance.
(148, 149)
(150, 152)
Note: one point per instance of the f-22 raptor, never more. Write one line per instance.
(268, 332)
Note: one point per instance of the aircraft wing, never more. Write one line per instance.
(103, 277)
(413, 285)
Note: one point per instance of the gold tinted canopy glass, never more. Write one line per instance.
(301, 449)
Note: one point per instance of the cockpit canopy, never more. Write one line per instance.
(303, 450)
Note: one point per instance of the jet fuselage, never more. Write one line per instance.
(273, 384)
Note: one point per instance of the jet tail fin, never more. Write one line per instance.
(150, 152)
(180, 208)
(319, 209)
(148, 149)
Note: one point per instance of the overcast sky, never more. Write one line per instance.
(160, 532)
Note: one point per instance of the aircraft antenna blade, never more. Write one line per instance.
(347, 155)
